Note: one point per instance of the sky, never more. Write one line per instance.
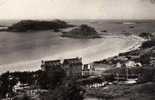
(77, 9)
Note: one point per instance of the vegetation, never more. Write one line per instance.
(145, 35)
(68, 90)
(83, 31)
(148, 44)
(32, 25)
(53, 79)
(23, 97)
(145, 59)
(147, 75)
(4, 87)
(8, 80)
(145, 91)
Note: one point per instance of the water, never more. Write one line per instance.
(24, 51)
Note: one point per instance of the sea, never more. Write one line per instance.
(23, 51)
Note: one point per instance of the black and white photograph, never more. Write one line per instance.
(77, 49)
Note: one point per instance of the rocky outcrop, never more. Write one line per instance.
(83, 31)
(32, 25)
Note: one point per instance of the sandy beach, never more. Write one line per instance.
(108, 46)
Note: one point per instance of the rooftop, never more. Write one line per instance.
(52, 62)
(73, 61)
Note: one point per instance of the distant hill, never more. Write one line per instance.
(32, 25)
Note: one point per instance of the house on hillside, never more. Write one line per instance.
(86, 67)
(87, 70)
(127, 70)
(73, 66)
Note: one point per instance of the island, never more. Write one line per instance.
(82, 31)
(35, 25)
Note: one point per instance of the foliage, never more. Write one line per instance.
(8, 80)
(29, 25)
(7, 83)
(69, 90)
(145, 35)
(147, 75)
(148, 44)
(52, 78)
(145, 58)
(23, 97)
(83, 31)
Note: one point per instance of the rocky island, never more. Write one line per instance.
(33, 25)
(83, 31)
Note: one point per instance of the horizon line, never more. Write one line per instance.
(75, 19)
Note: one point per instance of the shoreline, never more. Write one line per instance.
(34, 65)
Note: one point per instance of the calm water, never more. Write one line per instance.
(24, 51)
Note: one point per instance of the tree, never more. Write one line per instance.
(4, 88)
(51, 78)
(69, 90)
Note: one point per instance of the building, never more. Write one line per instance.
(87, 70)
(127, 70)
(86, 67)
(101, 66)
(73, 66)
(46, 65)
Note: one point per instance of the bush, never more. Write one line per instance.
(148, 44)
(147, 75)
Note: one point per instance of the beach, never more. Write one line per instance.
(60, 48)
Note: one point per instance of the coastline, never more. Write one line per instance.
(34, 65)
